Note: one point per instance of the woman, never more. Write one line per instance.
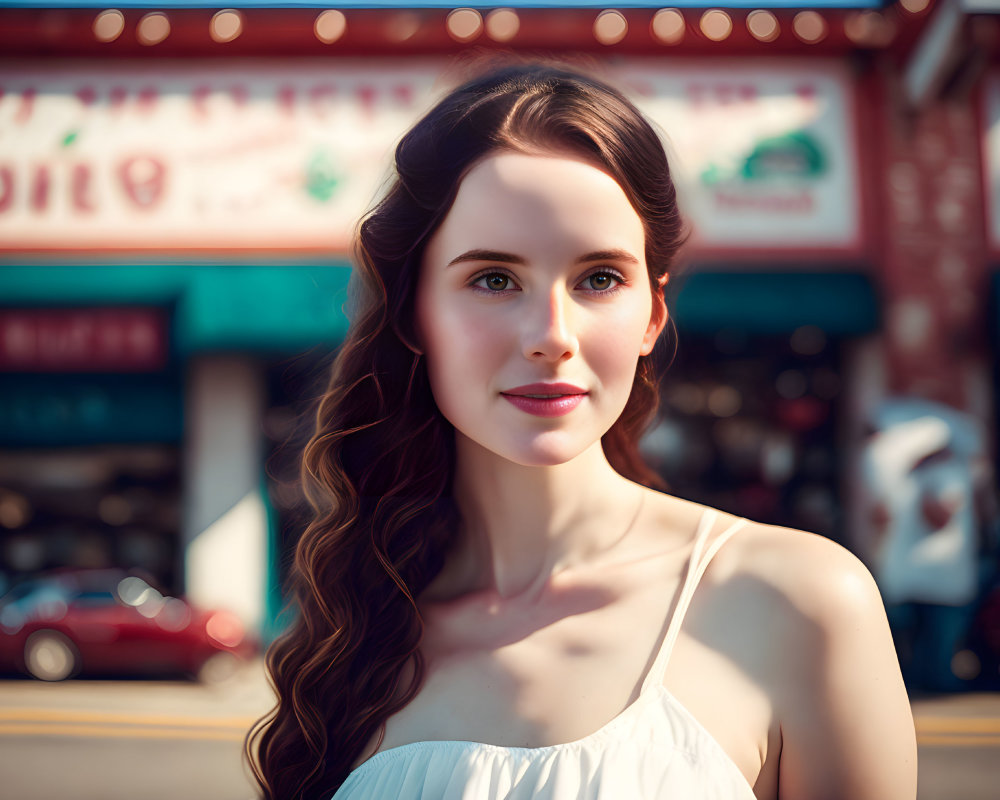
(493, 601)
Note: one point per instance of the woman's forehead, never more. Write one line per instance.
(542, 200)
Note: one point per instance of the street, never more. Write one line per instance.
(118, 740)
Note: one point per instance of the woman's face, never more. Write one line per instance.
(534, 305)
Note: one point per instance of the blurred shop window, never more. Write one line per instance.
(748, 423)
(295, 387)
(102, 506)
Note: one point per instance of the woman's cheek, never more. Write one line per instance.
(464, 344)
(613, 358)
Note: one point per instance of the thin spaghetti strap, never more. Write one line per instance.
(697, 564)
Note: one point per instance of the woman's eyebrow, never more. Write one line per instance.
(615, 254)
(486, 255)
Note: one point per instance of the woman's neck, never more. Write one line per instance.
(521, 525)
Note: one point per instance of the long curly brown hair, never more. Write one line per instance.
(378, 470)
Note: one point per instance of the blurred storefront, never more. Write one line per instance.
(131, 417)
(192, 176)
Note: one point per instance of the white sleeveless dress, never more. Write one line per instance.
(653, 750)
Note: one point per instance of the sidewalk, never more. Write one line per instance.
(958, 735)
(246, 693)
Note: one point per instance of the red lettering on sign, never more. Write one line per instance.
(27, 105)
(143, 178)
(723, 94)
(696, 93)
(87, 95)
(286, 99)
(366, 94)
(801, 202)
(199, 98)
(403, 92)
(321, 99)
(80, 188)
(6, 188)
(40, 189)
(148, 96)
(117, 97)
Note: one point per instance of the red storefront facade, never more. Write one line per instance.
(837, 166)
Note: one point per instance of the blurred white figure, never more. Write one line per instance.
(922, 467)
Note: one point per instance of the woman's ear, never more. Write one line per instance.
(657, 320)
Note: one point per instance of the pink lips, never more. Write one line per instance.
(546, 399)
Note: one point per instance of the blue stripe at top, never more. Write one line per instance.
(375, 4)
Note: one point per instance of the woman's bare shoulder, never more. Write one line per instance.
(833, 676)
(821, 581)
(789, 578)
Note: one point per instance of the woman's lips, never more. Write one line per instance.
(545, 399)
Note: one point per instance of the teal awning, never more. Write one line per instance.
(261, 308)
(290, 308)
(840, 303)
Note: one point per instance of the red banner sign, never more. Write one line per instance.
(83, 340)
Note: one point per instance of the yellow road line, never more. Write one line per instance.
(193, 733)
(931, 731)
(954, 740)
(958, 724)
(108, 732)
(67, 715)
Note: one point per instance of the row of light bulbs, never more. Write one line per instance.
(502, 24)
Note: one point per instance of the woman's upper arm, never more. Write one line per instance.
(846, 724)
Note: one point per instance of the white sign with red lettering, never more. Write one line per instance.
(236, 155)
(198, 155)
(764, 153)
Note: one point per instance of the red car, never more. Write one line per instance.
(109, 621)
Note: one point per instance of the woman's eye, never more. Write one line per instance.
(602, 281)
(495, 281)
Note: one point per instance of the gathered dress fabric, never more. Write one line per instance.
(653, 750)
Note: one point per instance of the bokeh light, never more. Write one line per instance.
(610, 27)
(668, 25)
(502, 24)
(153, 28)
(763, 25)
(108, 25)
(809, 26)
(724, 401)
(716, 24)
(226, 25)
(869, 29)
(15, 511)
(330, 25)
(465, 24)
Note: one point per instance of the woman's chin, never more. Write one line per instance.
(551, 449)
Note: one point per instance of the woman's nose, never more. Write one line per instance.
(550, 332)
